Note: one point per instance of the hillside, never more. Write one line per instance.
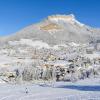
(57, 29)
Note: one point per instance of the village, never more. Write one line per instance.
(23, 63)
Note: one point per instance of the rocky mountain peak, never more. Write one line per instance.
(65, 19)
(70, 17)
(56, 29)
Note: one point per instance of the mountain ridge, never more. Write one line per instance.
(57, 29)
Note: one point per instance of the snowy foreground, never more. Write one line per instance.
(89, 89)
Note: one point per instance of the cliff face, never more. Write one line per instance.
(57, 29)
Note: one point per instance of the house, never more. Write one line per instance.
(90, 50)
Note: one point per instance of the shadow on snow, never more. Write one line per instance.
(82, 88)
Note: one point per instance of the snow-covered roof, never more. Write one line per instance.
(92, 56)
(61, 63)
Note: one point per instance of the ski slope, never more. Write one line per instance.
(88, 89)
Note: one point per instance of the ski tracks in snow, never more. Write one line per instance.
(41, 96)
(7, 97)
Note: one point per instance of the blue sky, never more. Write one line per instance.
(16, 14)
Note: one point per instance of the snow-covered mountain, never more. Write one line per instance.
(57, 29)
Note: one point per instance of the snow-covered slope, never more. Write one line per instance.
(57, 29)
(82, 90)
(29, 42)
